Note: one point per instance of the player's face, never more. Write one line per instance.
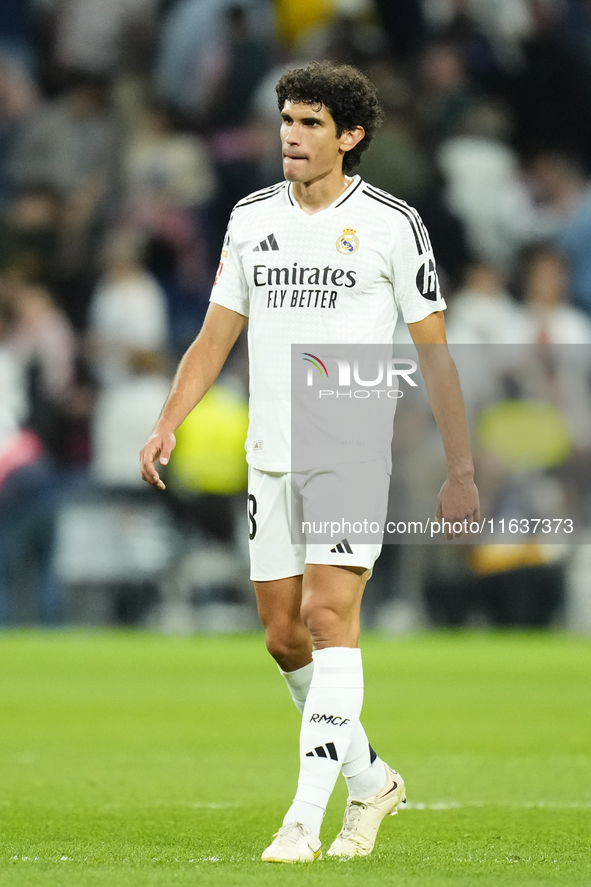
(311, 147)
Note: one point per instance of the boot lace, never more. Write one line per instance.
(351, 818)
(291, 833)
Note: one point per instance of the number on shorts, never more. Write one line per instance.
(252, 510)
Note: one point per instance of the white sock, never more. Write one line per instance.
(330, 716)
(367, 783)
(363, 769)
(298, 683)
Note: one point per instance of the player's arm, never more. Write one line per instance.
(458, 497)
(196, 373)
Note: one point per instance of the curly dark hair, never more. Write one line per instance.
(344, 91)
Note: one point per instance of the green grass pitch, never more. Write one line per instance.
(137, 759)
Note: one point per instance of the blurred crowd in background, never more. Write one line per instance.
(128, 130)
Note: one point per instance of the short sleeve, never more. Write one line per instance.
(416, 286)
(229, 287)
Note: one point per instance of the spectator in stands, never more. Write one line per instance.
(447, 91)
(29, 588)
(41, 336)
(29, 236)
(127, 312)
(563, 189)
(13, 384)
(550, 91)
(485, 188)
(462, 27)
(122, 412)
(97, 38)
(165, 167)
(562, 374)
(404, 25)
(483, 312)
(190, 30)
(505, 22)
(169, 185)
(18, 97)
(549, 318)
(397, 160)
(232, 70)
(70, 144)
(42, 341)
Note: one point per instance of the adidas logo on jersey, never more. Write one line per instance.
(342, 548)
(266, 244)
(324, 751)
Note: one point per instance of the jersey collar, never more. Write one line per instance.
(353, 187)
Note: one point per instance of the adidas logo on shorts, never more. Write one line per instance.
(343, 547)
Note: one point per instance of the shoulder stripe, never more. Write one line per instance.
(255, 200)
(261, 196)
(407, 210)
(263, 191)
(399, 209)
(348, 194)
(404, 207)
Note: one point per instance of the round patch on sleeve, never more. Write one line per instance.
(427, 280)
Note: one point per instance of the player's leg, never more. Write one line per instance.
(324, 606)
(276, 568)
(374, 789)
(289, 643)
(331, 599)
(287, 637)
(279, 603)
(330, 608)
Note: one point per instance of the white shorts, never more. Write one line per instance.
(275, 500)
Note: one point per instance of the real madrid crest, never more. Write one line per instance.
(348, 241)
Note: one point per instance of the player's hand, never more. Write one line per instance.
(158, 447)
(458, 502)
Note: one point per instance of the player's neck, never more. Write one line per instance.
(317, 195)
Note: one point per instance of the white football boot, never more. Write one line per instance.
(364, 817)
(293, 842)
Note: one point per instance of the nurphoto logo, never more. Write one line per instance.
(385, 372)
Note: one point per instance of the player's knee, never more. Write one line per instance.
(276, 646)
(323, 623)
(286, 647)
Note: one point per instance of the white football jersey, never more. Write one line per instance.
(338, 276)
